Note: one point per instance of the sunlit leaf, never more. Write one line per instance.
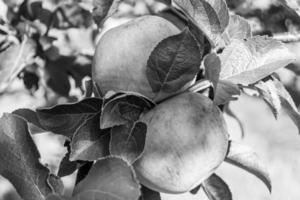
(294, 5)
(243, 157)
(174, 62)
(20, 160)
(211, 16)
(212, 66)
(248, 61)
(216, 189)
(238, 28)
(128, 141)
(112, 176)
(278, 98)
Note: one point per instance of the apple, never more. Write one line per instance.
(186, 141)
(122, 53)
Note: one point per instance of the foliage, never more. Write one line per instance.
(104, 131)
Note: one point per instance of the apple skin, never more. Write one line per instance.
(186, 141)
(122, 53)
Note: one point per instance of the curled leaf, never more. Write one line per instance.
(243, 157)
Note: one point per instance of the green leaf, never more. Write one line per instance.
(238, 28)
(67, 167)
(211, 16)
(110, 176)
(250, 60)
(89, 142)
(14, 59)
(293, 5)
(174, 62)
(243, 157)
(278, 98)
(212, 66)
(31, 117)
(124, 108)
(104, 9)
(64, 119)
(20, 160)
(225, 92)
(216, 189)
(148, 194)
(128, 141)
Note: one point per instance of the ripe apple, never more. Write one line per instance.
(122, 53)
(186, 141)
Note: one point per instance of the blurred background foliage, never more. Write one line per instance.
(46, 50)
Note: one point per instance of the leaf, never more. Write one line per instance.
(270, 95)
(277, 97)
(293, 5)
(216, 189)
(128, 142)
(89, 142)
(20, 160)
(30, 116)
(243, 157)
(148, 194)
(196, 190)
(174, 62)
(225, 92)
(14, 59)
(111, 176)
(248, 61)
(124, 108)
(211, 16)
(104, 9)
(64, 119)
(238, 28)
(67, 167)
(212, 66)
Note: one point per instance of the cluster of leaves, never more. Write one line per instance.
(31, 44)
(104, 136)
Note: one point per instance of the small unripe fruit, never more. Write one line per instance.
(186, 141)
(122, 53)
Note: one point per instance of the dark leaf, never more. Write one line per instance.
(250, 60)
(128, 141)
(83, 171)
(238, 28)
(14, 59)
(66, 118)
(20, 160)
(212, 65)
(30, 116)
(89, 142)
(103, 9)
(216, 189)
(148, 194)
(211, 16)
(66, 166)
(243, 157)
(111, 176)
(174, 62)
(225, 92)
(195, 190)
(124, 108)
